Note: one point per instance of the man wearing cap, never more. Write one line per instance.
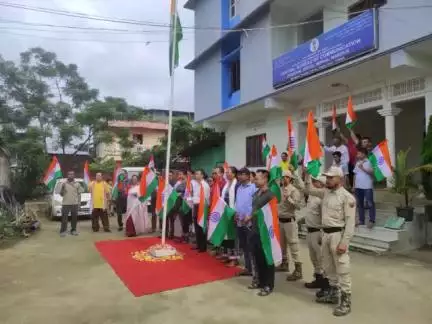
(338, 222)
(312, 216)
(290, 202)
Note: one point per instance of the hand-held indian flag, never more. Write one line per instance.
(221, 219)
(176, 35)
(148, 184)
(202, 209)
(268, 226)
(292, 145)
(52, 173)
(86, 175)
(151, 163)
(187, 197)
(275, 171)
(265, 150)
(115, 189)
(334, 122)
(225, 167)
(351, 116)
(313, 150)
(380, 160)
(160, 196)
(172, 197)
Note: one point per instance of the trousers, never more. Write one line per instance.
(290, 241)
(336, 266)
(361, 196)
(314, 245)
(201, 238)
(73, 211)
(265, 273)
(99, 213)
(242, 236)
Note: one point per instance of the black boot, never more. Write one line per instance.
(330, 296)
(324, 285)
(316, 283)
(344, 307)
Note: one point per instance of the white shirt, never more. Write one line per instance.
(363, 180)
(344, 167)
(343, 149)
(196, 193)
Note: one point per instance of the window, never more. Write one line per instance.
(233, 11)
(253, 151)
(313, 27)
(235, 76)
(137, 138)
(359, 7)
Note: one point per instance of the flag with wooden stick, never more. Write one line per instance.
(351, 116)
(334, 121)
(275, 172)
(292, 145)
(313, 150)
(265, 149)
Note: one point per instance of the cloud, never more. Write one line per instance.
(115, 63)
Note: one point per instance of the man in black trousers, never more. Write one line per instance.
(200, 232)
(264, 275)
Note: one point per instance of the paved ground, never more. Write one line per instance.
(47, 279)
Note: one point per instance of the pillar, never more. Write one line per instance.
(428, 106)
(389, 112)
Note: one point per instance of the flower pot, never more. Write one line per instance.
(428, 212)
(405, 212)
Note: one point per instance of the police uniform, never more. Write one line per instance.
(338, 222)
(312, 216)
(290, 202)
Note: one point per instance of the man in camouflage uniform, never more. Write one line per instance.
(338, 222)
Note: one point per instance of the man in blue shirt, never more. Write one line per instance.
(243, 207)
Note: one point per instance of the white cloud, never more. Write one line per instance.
(135, 71)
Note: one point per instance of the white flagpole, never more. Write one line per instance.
(173, 30)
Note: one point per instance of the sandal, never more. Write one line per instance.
(265, 292)
(254, 285)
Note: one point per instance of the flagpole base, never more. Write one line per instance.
(162, 251)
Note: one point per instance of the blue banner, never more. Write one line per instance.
(356, 37)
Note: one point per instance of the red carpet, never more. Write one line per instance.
(145, 278)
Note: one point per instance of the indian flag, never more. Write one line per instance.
(265, 150)
(172, 195)
(149, 182)
(115, 189)
(86, 175)
(275, 171)
(380, 160)
(221, 221)
(292, 145)
(176, 35)
(334, 122)
(52, 174)
(202, 210)
(351, 116)
(268, 225)
(151, 163)
(225, 167)
(160, 196)
(313, 150)
(187, 197)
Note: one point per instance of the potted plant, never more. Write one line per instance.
(404, 185)
(427, 176)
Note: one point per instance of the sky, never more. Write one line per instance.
(132, 65)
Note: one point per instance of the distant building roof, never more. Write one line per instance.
(138, 124)
(175, 112)
(68, 151)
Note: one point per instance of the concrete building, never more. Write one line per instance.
(259, 61)
(144, 134)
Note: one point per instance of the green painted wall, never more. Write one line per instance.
(208, 158)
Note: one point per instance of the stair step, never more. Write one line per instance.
(367, 248)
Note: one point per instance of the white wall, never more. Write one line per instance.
(282, 39)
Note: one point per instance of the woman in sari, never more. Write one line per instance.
(136, 221)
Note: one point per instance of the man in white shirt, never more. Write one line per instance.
(339, 147)
(201, 237)
(363, 186)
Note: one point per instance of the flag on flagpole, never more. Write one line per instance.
(265, 150)
(275, 171)
(151, 163)
(221, 220)
(381, 162)
(313, 150)
(334, 122)
(292, 144)
(202, 210)
(115, 189)
(148, 184)
(176, 35)
(268, 225)
(351, 116)
(86, 175)
(52, 174)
